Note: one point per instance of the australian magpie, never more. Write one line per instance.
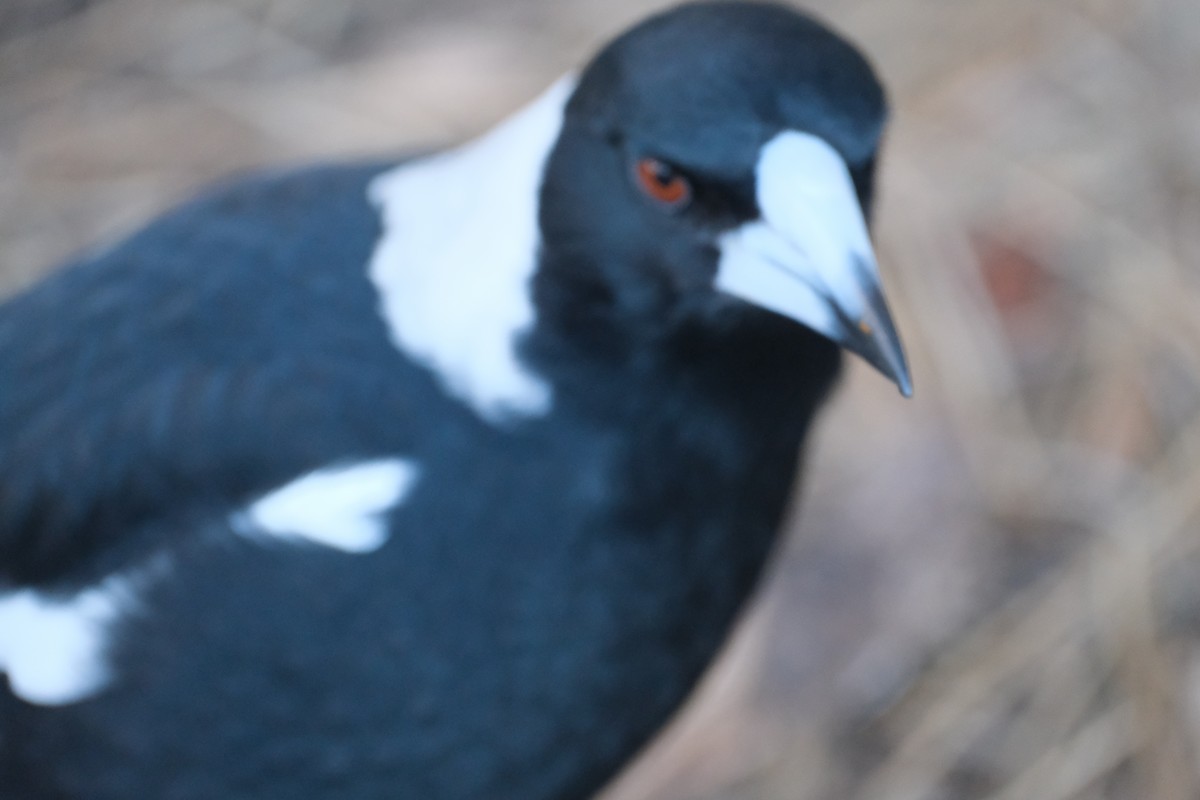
(442, 478)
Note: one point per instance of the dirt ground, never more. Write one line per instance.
(989, 591)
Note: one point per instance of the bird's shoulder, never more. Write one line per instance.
(231, 346)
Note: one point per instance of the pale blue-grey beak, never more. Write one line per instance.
(809, 256)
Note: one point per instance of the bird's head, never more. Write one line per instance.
(722, 154)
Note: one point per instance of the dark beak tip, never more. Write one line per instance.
(899, 376)
(898, 372)
(886, 355)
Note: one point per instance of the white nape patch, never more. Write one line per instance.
(808, 256)
(339, 507)
(53, 649)
(458, 251)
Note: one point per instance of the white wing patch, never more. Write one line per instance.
(459, 247)
(53, 648)
(338, 507)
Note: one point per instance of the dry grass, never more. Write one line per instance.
(994, 591)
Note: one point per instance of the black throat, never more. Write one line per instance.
(744, 379)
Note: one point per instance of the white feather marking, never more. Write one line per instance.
(339, 507)
(53, 649)
(458, 251)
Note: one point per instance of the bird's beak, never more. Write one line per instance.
(809, 256)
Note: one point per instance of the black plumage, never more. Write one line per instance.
(553, 584)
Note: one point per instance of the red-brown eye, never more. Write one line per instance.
(662, 183)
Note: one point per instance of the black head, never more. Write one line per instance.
(712, 82)
(680, 132)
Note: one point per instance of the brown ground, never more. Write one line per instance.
(992, 591)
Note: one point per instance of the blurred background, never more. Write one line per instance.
(992, 590)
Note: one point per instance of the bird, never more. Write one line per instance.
(437, 477)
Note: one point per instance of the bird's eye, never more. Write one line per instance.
(662, 183)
